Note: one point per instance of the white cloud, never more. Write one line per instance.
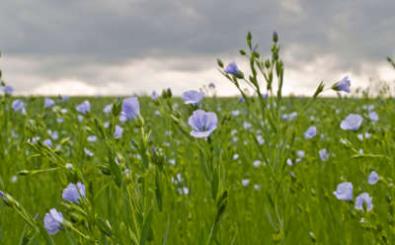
(145, 75)
(66, 87)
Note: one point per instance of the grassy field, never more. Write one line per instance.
(158, 184)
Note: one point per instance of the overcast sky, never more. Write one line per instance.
(118, 47)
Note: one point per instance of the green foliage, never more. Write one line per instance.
(146, 204)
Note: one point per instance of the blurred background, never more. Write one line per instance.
(124, 47)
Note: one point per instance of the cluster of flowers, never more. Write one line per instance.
(202, 123)
(53, 220)
(344, 192)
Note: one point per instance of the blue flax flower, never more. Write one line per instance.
(363, 199)
(53, 221)
(118, 132)
(92, 138)
(84, 107)
(47, 142)
(74, 192)
(192, 97)
(352, 122)
(8, 89)
(130, 109)
(344, 191)
(310, 133)
(19, 106)
(324, 154)
(232, 69)
(373, 178)
(154, 95)
(48, 103)
(373, 116)
(343, 85)
(202, 123)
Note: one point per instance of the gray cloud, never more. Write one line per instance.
(76, 38)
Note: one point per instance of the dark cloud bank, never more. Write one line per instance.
(63, 39)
